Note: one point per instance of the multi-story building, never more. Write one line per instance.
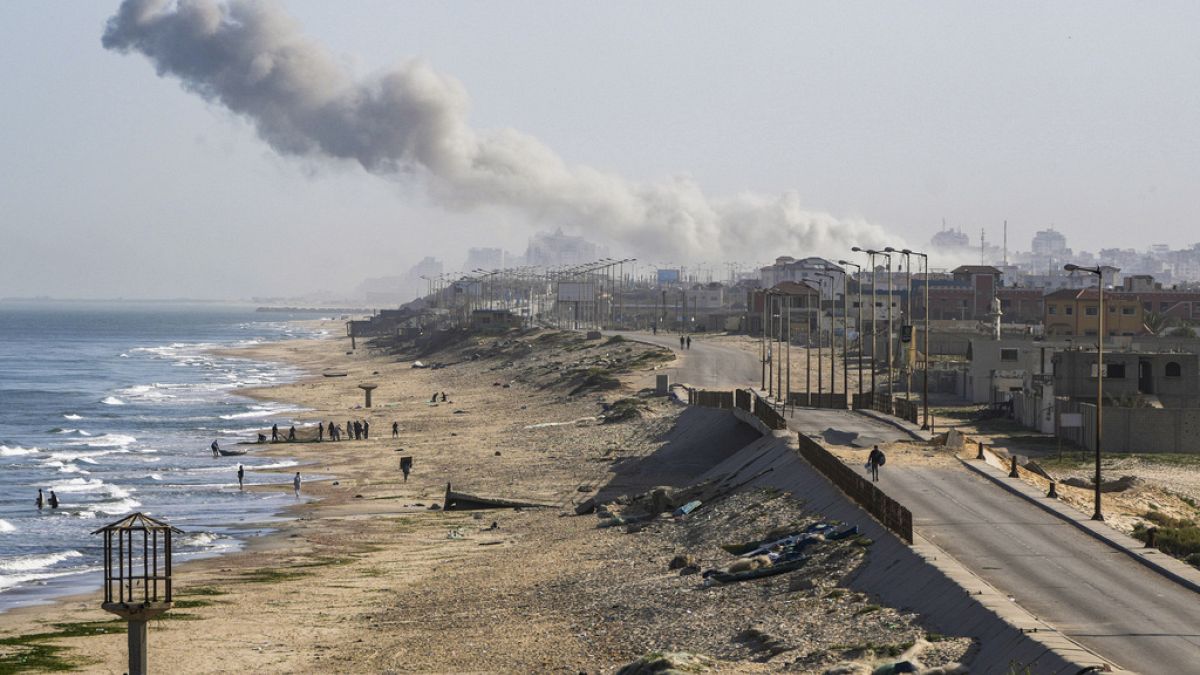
(1077, 312)
(787, 268)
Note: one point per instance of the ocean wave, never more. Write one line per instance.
(36, 561)
(117, 508)
(6, 526)
(15, 451)
(106, 441)
(112, 400)
(90, 485)
(72, 416)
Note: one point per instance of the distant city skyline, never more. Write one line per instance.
(882, 115)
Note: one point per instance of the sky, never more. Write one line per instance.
(883, 118)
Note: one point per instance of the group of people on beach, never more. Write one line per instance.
(291, 435)
(42, 501)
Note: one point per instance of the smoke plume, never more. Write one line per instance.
(254, 60)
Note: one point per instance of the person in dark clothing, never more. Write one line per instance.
(349, 430)
(40, 500)
(406, 466)
(433, 399)
(395, 430)
(216, 449)
(443, 397)
(335, 432)
(874, 461)
(689, 342)
(292, 433)
(654, 329)
(682, 342)
(366, 430)
(357, 431)
(53, 500)
(241, 476)
(274, 433)
(320, 432)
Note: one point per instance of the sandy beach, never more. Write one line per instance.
(365, 577)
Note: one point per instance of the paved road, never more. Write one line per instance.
(1093, 593)
(708, 365)
(1089, 591)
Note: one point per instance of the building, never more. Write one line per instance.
(1077, 312)
(787, 268)
(1049, 243)
(484, 259)
(800, 300)
(553, 249)
(1172, 379)
(950, 239)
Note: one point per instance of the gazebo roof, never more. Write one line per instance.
(138, 521)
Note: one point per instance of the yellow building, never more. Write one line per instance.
(1077, 312)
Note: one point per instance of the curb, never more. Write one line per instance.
(888, 420)
(1165, 571)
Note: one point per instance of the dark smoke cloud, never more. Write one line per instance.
(253, 59)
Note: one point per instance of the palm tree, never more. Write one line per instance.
(1155, 322)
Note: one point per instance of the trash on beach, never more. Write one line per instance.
(334, 373)
(457, 533)
(688, 507)
(461, 501)
(418, 364)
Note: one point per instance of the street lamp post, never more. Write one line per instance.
(889, 332)
(874, 318)
(832, 338)
(1098, 515)
(859, 327)
(906, 317)
(925, 340)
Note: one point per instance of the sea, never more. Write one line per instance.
(113, 407)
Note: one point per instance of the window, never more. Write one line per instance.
(1008, 354)
(1069, 310)
(1114, 370)
(1128, 311)
(1051, 309)
(1112, 309)
(1174, 370)
(1164, 306)
(1091, 311)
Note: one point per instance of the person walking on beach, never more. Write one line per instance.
(320, 432)
(216, 449)
(395, 430)
(241, 476)
(40, 501)
(296, 483)
(366, 430)
(334, 432)
(406, 466)
(292, 433)
(874, 461)
(357, 430)
(349, 430)
(53, 500)
(274, 433)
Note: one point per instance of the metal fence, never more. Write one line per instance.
(886, 510)
(743, 399)
(711, 399)
(767, 414)
(806, 399)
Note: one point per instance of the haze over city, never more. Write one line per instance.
(675, 132)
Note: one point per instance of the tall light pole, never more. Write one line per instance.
(859, 327)
(889, 331)
(874, 318)
(832, 343)
(925, 340)
(906, 317)
(1099, 371)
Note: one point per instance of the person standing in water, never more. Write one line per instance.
(241, 476)
(53, 500)
(40, 500)
(296, 483)
(216, 449)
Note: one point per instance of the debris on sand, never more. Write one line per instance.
(667, 663)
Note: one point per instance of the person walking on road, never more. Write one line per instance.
(874, 461)
(689, 342)
(241, 476)
(296, 484)
(682, 342)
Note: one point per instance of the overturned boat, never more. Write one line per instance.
(462, 501)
